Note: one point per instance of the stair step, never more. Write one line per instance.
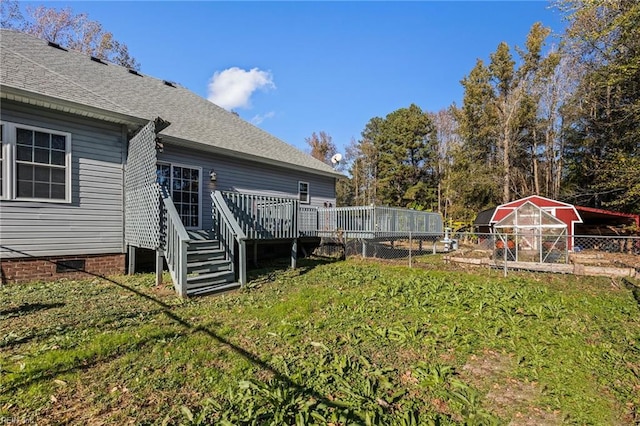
(201, 234)
(208, 265)
(205, 254)
(213, 278)
(213, 289)
(204, 244)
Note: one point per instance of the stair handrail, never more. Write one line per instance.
(229, 231)
(174, 242)
(264, 216)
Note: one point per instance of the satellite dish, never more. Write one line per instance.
(336, 158)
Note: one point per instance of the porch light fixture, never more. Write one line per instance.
(159, 144)
(213, 176)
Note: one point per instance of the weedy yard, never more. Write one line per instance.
(330, 343)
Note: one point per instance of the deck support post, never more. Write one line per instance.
(242, 262)
(131, 269)
(364, 248)
(159, 267)
(255, 254)
(294, 253)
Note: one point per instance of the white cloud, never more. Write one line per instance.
(233, 87)
(258, 119)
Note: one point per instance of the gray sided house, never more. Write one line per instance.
(98, 159)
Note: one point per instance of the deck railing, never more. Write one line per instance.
(174, 242)
(263, 217)
(308, 221)
(229, 233)
(368, 222)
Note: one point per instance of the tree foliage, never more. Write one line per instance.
(499, 126)
(322, 147)
(70, 30)
(406, 158)
(560, 121)
(603, 116)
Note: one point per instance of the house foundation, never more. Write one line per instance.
(53, 268)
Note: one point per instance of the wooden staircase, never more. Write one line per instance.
(209, 270)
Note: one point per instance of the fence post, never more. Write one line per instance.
(504, 250)
(410, 251)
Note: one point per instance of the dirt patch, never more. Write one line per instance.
(507, 397)
(489, 364)
(165, 289)
(536, 417)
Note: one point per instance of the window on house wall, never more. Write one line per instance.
(35, 164)
(183, 184)
(303, 192)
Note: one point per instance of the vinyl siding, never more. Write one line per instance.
(93, 222)
(244, 176)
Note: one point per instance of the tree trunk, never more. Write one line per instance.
(506, 166)
(534, 159)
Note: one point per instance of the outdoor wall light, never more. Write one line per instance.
(213, 176)
(159, 144)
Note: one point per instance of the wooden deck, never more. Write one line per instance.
(203, 261)
(368, 222)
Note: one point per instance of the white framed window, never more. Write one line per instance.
(35, 164)
(184, 185)
(303, 192)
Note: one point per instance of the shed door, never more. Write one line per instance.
(184, 183)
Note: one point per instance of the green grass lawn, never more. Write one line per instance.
(330, 343)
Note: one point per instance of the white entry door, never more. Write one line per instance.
(184, 184)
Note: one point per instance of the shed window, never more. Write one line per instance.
(35, 164)
(303, 192)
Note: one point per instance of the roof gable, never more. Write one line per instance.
(529, 215)
(569, 213)
(536, 200)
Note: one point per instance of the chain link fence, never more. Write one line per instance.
(401, 248)
(619, 251)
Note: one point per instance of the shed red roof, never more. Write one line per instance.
(601, 213)
(538, 201)
(564, 211)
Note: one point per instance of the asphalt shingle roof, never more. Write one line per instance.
(30, 64)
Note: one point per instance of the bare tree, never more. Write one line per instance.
(322, 146)
(70, 30)
(554, 93)
(363, 158)
(447, 137)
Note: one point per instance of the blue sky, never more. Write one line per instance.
(318, 66)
